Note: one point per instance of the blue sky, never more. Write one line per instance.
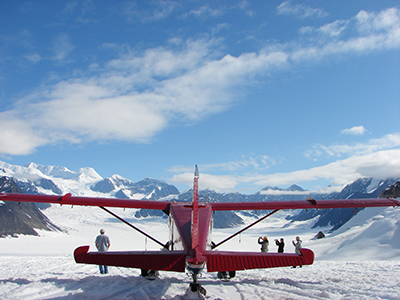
(257, 93)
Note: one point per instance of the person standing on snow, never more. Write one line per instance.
(102, 243)
(297, 245)
(264, 243)
(280, 244)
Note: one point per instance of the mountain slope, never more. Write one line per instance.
(21, 218)
(361, 188)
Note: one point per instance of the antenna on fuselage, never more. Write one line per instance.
(196, 186)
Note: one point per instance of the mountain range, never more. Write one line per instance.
(38, 179)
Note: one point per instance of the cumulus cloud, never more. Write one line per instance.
(137, 95)
(17, 137)
(374, 32)
(356, 130)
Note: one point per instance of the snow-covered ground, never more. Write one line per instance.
(359, 261)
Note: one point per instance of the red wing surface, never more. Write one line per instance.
(304, 204)
(231, 261)
(149, 260)
(86, 201)
(164, 205)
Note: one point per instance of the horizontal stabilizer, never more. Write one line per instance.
(232, 261)
(149, 260)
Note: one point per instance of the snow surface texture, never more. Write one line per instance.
(58, 277)
(361, 260)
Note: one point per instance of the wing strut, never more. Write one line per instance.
(244, 229)
(134, 227)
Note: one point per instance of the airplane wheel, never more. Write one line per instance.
(232, 274)
(196, 287)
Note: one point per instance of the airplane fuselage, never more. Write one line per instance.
(189, 236)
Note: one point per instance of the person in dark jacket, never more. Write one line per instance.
(280, 244)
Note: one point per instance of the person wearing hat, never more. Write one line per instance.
(102, 243)
(263, 241)
(297, 245)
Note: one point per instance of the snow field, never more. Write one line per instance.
(359, 261)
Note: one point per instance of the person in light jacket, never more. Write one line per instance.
(102, 243)
(297, 245)
(263, 241)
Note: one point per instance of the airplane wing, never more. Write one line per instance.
(305, 204)
(232, 261)
(67, 199)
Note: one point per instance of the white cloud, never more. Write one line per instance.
(375, 32)
(251, 162)
(205, 11)
(368, 22)
(280, 192)
(331, 30)
(137, 95)
(300, 10)
(62, 47)
(159, 10)
(389, 141)
(17, 137)
(33, 57)
(212, 182)
(356, 130)
(378, 164)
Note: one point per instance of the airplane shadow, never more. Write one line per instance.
(104, 287)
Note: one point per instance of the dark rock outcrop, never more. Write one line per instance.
(391, 192)
(20, 218)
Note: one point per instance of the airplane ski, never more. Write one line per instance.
(149, 260)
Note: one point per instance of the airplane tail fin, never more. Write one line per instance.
(195, 210)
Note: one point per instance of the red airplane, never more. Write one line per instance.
(190, 246)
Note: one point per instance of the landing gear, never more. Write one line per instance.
(225, 275)
(149, 274)
(195, 290)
